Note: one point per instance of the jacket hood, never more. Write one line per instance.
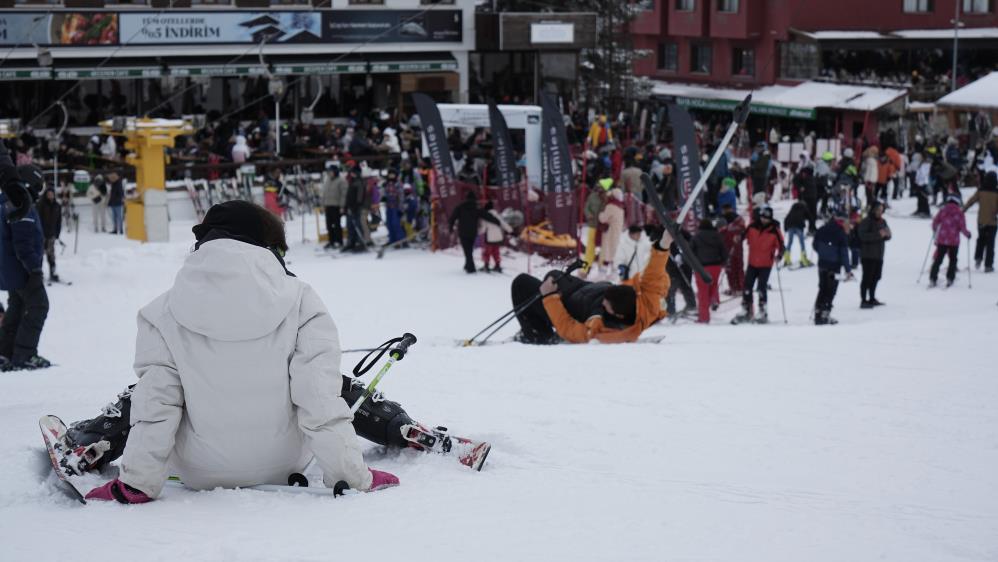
(232, 291)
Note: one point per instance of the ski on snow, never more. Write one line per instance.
(54, 434)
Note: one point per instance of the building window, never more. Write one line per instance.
(799, 61)
(742, 62)
(19, 2)
(918, 6)
(211, 2)
(290, 2)
(976, 6)
(700, 58)
(378, 2)
(668, 56)
(428, 2)
(686, 5)
(727, 6)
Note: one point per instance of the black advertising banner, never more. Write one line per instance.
(557, 176)
(687, 159)
(392, 26)
(504, 160)
(219, 27)
(435, 135)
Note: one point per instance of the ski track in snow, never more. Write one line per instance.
(876, 439)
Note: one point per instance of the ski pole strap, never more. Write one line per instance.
(398, 353)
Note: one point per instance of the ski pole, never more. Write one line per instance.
(926, 260)
(783, 305)
(969, 265)
(740, 115)
(396, 354)
(509, 315)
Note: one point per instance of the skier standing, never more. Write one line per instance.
(392, 196)
(832, 245)
(633, 253)
(230, 395)
(708, 246)
(612, 216)
(50, 213)
(794, 223)
(97, 193)
(21, 243)
(765, 244)
(493, 237)
(355, 207)
(466, 217)
(334, 195)
(987, 220)
(948, 224)
(116, 202)
(873, 233)
(733, 232)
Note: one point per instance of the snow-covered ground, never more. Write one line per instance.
(876, 439)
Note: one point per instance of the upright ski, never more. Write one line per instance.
(54, 434)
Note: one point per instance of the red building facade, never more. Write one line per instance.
(739, 43)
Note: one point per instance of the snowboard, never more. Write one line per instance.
(436, 440)
(464, 343)
(54, 434)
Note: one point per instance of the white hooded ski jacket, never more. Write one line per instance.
(239, 382)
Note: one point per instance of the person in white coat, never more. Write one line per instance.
(633, 253)
(238, 367)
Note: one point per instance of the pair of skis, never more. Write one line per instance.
(740, 115)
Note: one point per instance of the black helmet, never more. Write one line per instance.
(766, 211)
(33, 179)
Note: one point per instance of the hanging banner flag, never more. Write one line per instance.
(687, 159)
(435, 137)
(504, 160)
(557, 178)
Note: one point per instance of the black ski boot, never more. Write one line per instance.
(746, 314)
(98, 441)
(378, 420)
(763, 316)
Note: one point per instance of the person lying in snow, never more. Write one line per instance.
(578, 311)
(238, 367)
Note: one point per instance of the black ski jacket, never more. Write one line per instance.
(467, 215)
(709, 246)
(797, 217)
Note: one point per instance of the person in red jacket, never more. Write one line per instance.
(765, 242)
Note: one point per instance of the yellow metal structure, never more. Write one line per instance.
(146, 141)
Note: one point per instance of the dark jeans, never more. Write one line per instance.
(942, 252)
(752, 275)
(812, 209)
(682, 281)
(828, 285)
(468, 245)
(27, 309)
(535, 326)
(923, 200)
(50, 254)
(985, 249)
(333, 226)
(355, 233)
(872, 269)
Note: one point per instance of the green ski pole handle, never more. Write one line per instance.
(396, 354)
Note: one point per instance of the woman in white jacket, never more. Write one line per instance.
(238, 367)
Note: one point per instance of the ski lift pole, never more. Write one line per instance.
(741, 113)
(396, 354)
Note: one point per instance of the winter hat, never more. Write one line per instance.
(240, 219)
(990, 182)
(33, 179)
(624, 300)
(954, 198)
(728, 182)
(606, 184)
(848, 153)
(828, 156)
(766, 212)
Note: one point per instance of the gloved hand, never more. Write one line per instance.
(379, 480)
(116, 490)
(18, 200)
(35, 279)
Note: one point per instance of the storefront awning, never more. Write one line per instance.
(217, 70)
(979, 94)
(321, 68)
(796, 102)
(8, 74)
(904, 36)
(107, 73)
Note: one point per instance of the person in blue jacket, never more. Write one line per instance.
(728, 194)
(832, 244)
(21, 255)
